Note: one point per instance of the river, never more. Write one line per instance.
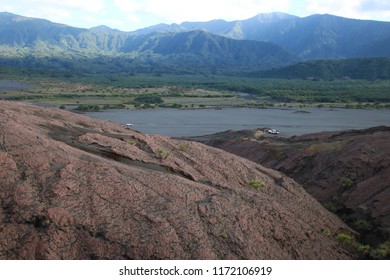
(175, 122)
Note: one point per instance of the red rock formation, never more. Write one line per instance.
(76, 188)
(349, 172)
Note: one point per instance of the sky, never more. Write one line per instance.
(129, 15)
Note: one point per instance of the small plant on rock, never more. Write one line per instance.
(363, 225)
(183, 147)
(327, 231)
(224, 234)
(40, 221)
(382, 252)
(330, 207)
(163, 153)
(344, 238)
(256, 184)
(363, 207)
(132, 142)
(346, 182)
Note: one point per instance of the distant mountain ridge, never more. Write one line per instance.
(263, 42)
(18, 31)
(42, 38)
(313, 37)
(217, 49)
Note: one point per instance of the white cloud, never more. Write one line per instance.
(201, 10)
(134, 14)
(129, 6)
(50, 13)
(331, 7)
(72, 12)
(374, 9)
(92, 6)
(5, 7)
(361, 9)
(375, 5)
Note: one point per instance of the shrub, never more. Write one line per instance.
(330, 207)
(344, 238)
(346, 182)
(40, 221)
(327, 231)
(163, 153)
(256, 184)
(88, 108)
(363, 207)
(132, 142)
(363, 225)
(362, 249)
(176, 105)
(382, 252)
(183, 147)
(114, 106)
(148, 99)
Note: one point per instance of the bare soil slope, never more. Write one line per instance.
(76, 188)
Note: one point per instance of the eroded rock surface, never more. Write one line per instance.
(349, 172)
(76, 188)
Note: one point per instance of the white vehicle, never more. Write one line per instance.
(273, 131)
(128, 125)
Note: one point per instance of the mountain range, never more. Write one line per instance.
(313, 37)
(262, 42)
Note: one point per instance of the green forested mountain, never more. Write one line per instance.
(263, 42)
(31, 38)
(17, 31)
(217, 50)
(312, 37)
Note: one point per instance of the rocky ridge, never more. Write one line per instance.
(77, 188)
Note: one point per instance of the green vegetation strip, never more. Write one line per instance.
(184, 90)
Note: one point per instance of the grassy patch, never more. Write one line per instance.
(363, 251)
(327, 231)
(330, 207)
(183, 147)
(345, 182)
(224, 234)
(382, 252)
(363, 207)
(363, 225)
(256, 184)
(163, 153)
(132, 142)
(209, 91)
(344, 238)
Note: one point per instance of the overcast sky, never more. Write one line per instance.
(128, 15)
